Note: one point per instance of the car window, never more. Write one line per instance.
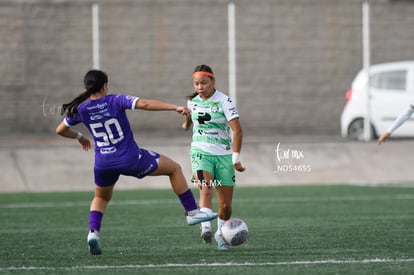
(392, 80)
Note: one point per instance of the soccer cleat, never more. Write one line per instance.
(221, 243)
(200, 217)
(93, 243)
(206, 235)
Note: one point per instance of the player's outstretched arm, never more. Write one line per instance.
(155, 105)
(401, 119)
(383, 138)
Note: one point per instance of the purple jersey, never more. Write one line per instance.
(107, 122)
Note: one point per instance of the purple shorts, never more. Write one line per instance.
(143, 165)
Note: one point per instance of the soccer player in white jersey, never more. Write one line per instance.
(116, 152)
(214, 151)
(400, 120)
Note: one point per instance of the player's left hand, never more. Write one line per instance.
(239, 167)
(85, 143)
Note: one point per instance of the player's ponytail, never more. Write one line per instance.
(93, 81)
(71, 108)
(201, 68)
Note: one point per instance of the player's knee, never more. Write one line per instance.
(225, 212)
(176, 168)
(105, 195)
(167, 166)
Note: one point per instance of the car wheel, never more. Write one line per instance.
(356, 130)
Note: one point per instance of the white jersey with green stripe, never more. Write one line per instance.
(211, 131)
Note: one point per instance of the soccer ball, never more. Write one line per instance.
(234, 231)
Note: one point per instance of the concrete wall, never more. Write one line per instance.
(295, 59)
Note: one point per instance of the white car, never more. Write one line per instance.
(391, 89)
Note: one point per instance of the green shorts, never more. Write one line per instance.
(220, 167)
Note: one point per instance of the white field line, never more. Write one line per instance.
(236, 200)
(217, 264)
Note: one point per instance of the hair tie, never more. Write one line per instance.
(204, 73)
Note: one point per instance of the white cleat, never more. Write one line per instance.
(200, 217)
(222, 245)
(94, 243)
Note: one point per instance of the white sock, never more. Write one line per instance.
(219, 224)
(192, 212)
(206, 225)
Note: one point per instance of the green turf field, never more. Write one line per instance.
(299, 230)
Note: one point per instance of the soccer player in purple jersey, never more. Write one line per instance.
(116, 152)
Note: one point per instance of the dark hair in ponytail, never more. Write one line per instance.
(94, 80)
(201, 68)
